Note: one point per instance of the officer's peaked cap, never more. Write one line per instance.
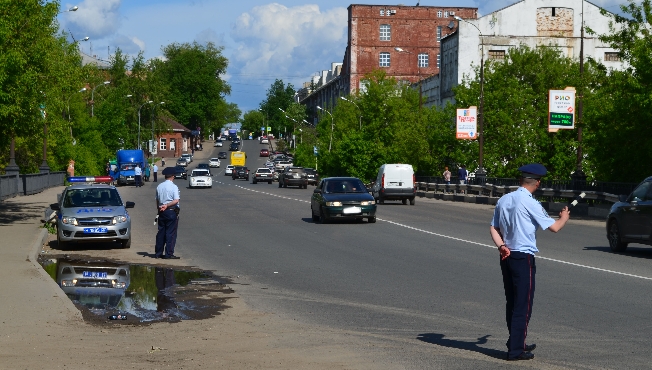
(533, 171)
(168, 171)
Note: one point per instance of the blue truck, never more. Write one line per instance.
(127, 160)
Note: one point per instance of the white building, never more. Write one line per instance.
(554, 23)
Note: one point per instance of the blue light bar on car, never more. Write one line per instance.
(96, 179)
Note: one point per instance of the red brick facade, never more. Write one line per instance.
(174, 141)
(414, 29)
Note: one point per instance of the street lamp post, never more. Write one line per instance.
(332, 126)
(153, 110)
(262, 132)
(480, 173)
(352, 102)
(147, 102)
(93, 96)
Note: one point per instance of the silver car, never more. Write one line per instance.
(94, 285)
(92, 213)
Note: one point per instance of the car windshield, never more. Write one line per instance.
(344, 186)
(199, 173)
(214, 160)
(126, 167)
(92, 197)
(263, 170)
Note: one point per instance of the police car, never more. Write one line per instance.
(91, 210)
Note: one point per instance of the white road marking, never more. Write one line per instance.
(478, 244)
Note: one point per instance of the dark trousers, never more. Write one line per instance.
(138, 179)
(518, 271)
(155, 180)
(166, 238)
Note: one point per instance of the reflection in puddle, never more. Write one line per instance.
(144, 293)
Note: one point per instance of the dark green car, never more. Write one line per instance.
(630, 219)
(342, 198)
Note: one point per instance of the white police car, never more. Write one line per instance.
(91, 210)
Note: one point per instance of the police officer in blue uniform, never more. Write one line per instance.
(167, 204)
(513, 229)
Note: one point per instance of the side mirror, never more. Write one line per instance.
(130, 205)
(317, 191)
(55, 206)
(622, 198)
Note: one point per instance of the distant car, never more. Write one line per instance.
(293, 176)
(182, 162)
(214, 162)
(218, 143)
(264, 141)
(263, 175)
(630, 219)
(264, 153)
(204, 166)
(280, 166)
(180, 172)
(312, 176)
(229, 170)
(221, 155)
(200, 177)
(342, 198)
(234, 146)
(187, 156)
(240, 172)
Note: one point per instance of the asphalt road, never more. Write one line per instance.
(422, 287)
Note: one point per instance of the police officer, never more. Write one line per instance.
(167, 204)
(516, 219)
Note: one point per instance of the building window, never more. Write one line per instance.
(438, 33)
(497, 54)
(611, 57)
(438, 60)
(385, 32)
(439, 14)
(423, 60)
(445, 14)
(163, 144)
(382, 12)
(384, 59)
(173, 145)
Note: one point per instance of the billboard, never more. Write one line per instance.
(467, 124)
(561, 109)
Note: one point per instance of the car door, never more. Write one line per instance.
(645, 216)
(633, 216)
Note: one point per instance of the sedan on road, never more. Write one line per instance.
(182, 162)
(240, 172)
(264, 153)
(200, 178)
(229, 170)
(221, 155)
(630, 219)
(218, 143)
(263, 174)
(342, 198)
(214, 162)
(180, 172)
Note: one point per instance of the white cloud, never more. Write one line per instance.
(276, 40)
(96, 19)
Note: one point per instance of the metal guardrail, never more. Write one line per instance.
(28, 184)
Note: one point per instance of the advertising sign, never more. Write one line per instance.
(467, 124)
(561, 109)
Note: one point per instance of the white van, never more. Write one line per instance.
(395, 182)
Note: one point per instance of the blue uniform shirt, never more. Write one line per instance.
(166, 192)
(518, 216)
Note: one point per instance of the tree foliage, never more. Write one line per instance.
(279, 97)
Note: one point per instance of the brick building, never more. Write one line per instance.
(174, 141)
(402, 40)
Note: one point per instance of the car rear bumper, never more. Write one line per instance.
(398, 193)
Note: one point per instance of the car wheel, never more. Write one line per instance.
(285, 185)
(323, 219)
(372, 220)
(411, 201)
(60, 243)
(615, 242)
(126, 244)
(404, 201)
(315, 218)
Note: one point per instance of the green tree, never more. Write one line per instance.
(192, 74)
(279, 96)
(252, 121)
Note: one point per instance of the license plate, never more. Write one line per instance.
(95, 230)
(352, 210)
(94, 274)
(200, 180)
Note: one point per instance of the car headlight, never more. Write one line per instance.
(368, 203)
(119, 219)
(334, 204)
(122, 176)
(66, 283)
(118, 284)
(69, 220)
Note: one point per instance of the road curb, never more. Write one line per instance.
(38, 244)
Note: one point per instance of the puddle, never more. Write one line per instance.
(145, 294)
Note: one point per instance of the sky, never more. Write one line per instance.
(290, 40)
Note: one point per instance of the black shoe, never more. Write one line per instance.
(530, 347)
(171, 257)
(522, 356)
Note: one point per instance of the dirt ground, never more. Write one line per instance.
(235, 338)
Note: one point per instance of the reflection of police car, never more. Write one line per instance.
(91, 212)
(94, 285)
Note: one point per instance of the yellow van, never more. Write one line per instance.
(238, 158)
